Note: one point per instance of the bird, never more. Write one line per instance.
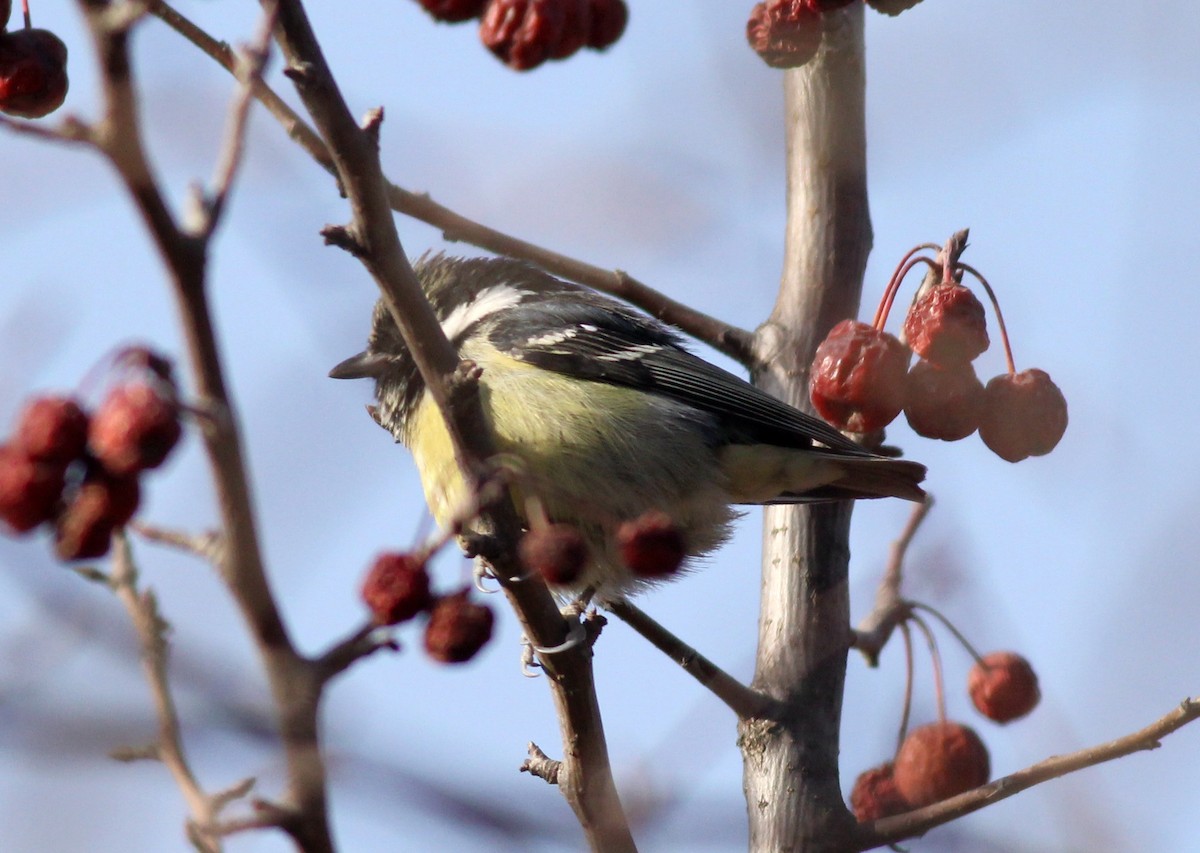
(608, 416)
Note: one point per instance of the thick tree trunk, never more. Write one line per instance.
(791, 778)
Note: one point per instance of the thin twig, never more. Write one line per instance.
(890, 609)
(151, 628)
(363, 642)
(206, 546)
(893, 829)
(743, 701)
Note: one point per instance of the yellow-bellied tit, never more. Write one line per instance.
(608, 415)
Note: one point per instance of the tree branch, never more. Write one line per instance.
(893, 829)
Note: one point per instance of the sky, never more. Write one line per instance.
(1064, 135)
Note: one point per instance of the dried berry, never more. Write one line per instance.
(396, 588)
(875, 796)
(608, 20)
(523, 33)
(943, 402)
(116, 497)
(651, 545)
(892, 7)
(785, 33)
(1024, 414)
(1003, 686)
(134, 429)
(453, 11)
(52, 429)
(29, 490)
(946, 325)
(938, 761)
(557, 552)
(576, 28)
(33, 72)
(83, 530)
(457, 628)
(858, 377)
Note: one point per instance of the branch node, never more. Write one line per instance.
(300, 73)
(541, 765)
(343, 237)
(371, 124)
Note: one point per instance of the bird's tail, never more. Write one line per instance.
(867, 477)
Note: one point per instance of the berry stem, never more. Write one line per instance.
(958, 635)
(939, 687)
(1012, 368)
(893, 285)
(908, 684)
(26, 15)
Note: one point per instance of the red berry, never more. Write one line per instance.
(608, 20)
(576, 28)
(83, 530)
(29, 490)
(892, 7)
(33, 72)
(52, 429)
(938, 761)
(453, 11)
(943, 402)
(785, 33)
(556, 552)
(396, 588)
(1024, 414)
(1003, 686)
(651, 545)
(858, 377)
(134, 429)
(116, 496)
(874, 795)
(947, 325)
(523, 33)
(457, 628)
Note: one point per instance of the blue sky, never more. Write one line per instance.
(1064, 135)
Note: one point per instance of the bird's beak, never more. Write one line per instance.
(365, 365)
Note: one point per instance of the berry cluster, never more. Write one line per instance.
(397, 589)
(861, 380)
(787, 33)
(79, 472)
(33, 68)
(526, 33)
(945, 758)
(651, 547)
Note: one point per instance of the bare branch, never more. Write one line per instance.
(892, 829)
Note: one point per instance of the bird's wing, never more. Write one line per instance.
(625, 349)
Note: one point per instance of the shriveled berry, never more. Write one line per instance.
(1003, 686)
(892, 7)
(943, 402)
(396, 588)
(557, 552)
(785, 33)
(33, 72)
(577, 26)
(29, 490)
(608, 20)
(938, 761)
(523, 33)
(875, 796)
(116, 496)
(1024, 414)
(947, 325)
(858, 377)
(134, 429)
(83, 530)
(453, 11)
(457, 628)
(52, 429)
(651, 545)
